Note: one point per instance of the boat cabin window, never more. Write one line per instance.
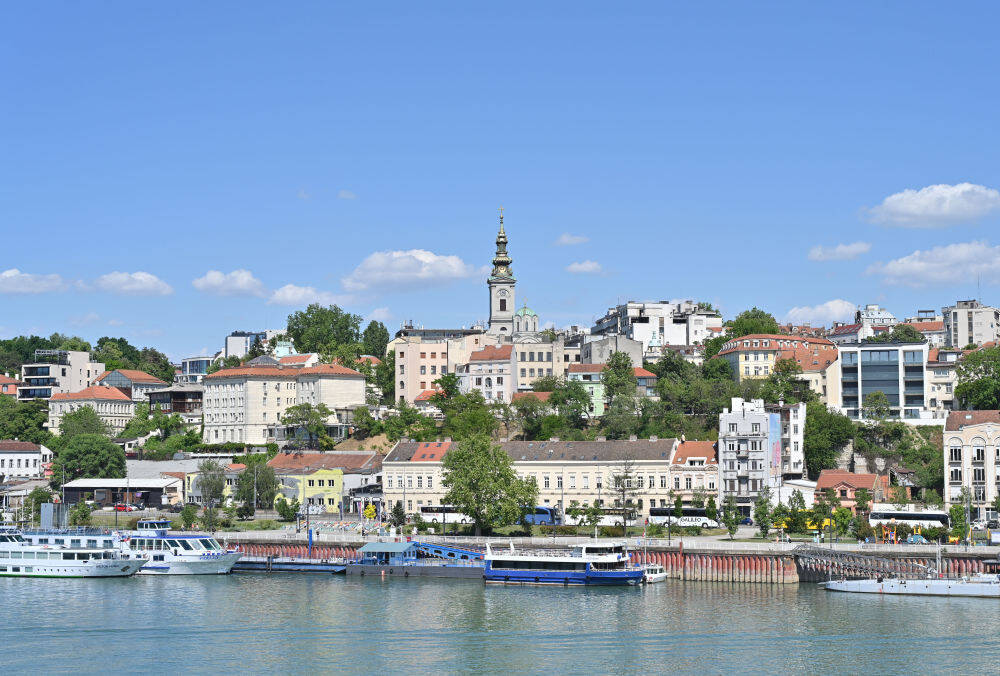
(186, 544)
(92, 543)
(43, 541)
(208, 544)
(172, 543)
(67, 556)
(58, 541)
(515, 564)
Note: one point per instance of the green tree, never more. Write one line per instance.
(34, 501)
(482, 483)
(287, 511)
(88, 456)
(140, 425)
(823, 507)
(979, 380)
(222, 363)
(24, 420)
(188, 515)
(397, 517)
(308, 417)
(375, 339)
(745, 323)
(83, 420)
(623, 482)
(785, 384)
(730, 517)
(825, 435)
(323, 329)
(762, 512)
(900, 333)
(711, 509)
(385, 377)
(842, 520)
(257, 480)
(211, 483)
(592, 515)
(448, 384)
(678, 508)
(467, 415)
(166, 424)
(79, 514)
(797, 514)
(875, 406)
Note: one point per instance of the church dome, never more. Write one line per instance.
(526, 312)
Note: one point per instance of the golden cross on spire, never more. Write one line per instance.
(501, 215)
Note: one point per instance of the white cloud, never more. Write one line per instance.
(380, 314)
(346, 195)
(15, 281)
(822, 314)
(936, 205)
(951, 264)
(115, 322)
(133, 284)
(83, 320)
(302, 194)
(584, 268)
(567, 239)
(403, 268)
(290, 294)
(841, 252)
(235, 283)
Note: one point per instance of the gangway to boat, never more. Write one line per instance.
(839, 563)
(447, 552)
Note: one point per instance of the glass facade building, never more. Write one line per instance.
(898, 370)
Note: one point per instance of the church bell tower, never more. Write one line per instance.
(501, 285)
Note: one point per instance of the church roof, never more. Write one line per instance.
(526, 312)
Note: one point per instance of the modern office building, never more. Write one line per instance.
(896, 369)
(193, 370)
(656, 324)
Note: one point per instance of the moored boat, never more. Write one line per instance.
(21, 558)
(591, 564)
(653, 572)
(170, 553)
(979, 585)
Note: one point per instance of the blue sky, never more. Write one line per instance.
(305, 152)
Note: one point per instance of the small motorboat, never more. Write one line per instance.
(653, 572)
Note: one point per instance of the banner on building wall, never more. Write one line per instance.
(774, 442)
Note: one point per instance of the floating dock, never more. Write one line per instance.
(288, 564)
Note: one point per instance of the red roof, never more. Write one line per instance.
(540, 396)
(426, 395)
(831, 478)
(94, 392)
(236, 466)
(430, 451)
(492, 353)
(7, 380)
(586, 368)
(295, 359)
(374, 361)
(255, 372)
(932, 354)
(9, 445)
(927, 326)
(328, 370)
(695, 449)
(846, 328)
(959, 419)
(134, 375)
(306, 461)
(642, 373)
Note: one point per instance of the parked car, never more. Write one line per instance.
(175, 508)
(993, 524)
(979, 524)
(746, 521)
(122, 507)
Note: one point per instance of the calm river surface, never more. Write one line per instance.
(293, 624)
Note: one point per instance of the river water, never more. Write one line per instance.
(250, 623)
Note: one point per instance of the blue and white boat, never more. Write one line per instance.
(177, 553)
(591, 564)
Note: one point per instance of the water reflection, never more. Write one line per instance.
(293, 623)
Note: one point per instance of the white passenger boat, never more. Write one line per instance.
(653, 572)
(582, 565)
(170, 553)
(979, 585)
(21, 558)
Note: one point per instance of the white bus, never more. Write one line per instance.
(610, 516)
(443, 514)
(888, 514)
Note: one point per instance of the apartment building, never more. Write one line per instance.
(591, 376)
(598, 349)
(57, 371)
(136, 384)
(755, 356)
(239, 343)
(421, 357)
(113, 407)
(23, 460)
(759, 446)
(565, 472)
(972, 459)
(931, 325)
(896, 369)
(656, 324)
(942, 378)
(969, 322)
(246, 404)
(8, 385)
(491, 371)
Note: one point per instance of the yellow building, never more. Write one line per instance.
(318, 478)
(754, 356)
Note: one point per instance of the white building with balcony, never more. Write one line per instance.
(492, 371)
(972, 459)
(58, 371)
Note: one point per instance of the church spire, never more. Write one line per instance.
(502, 260)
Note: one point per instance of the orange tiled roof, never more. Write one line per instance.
(959, 419)
(255, 372)
(312, 461)
(586, 368)
(10, 445)
(846, 328)
(695, 449)
(831, 478)
(430, 451)
(7, 380)
(295, 359)
(642, 373)
(426, 395)
(93, 392)
(328, 370)
(540, 396)
(927, 326)
(492, 353)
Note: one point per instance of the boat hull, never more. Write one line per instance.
(120, 568)
(564, 578)
(216, 565)
(929, 587)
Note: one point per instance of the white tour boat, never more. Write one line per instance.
(590, 564)
(979, 585)
(170, 553)
(21, 558)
